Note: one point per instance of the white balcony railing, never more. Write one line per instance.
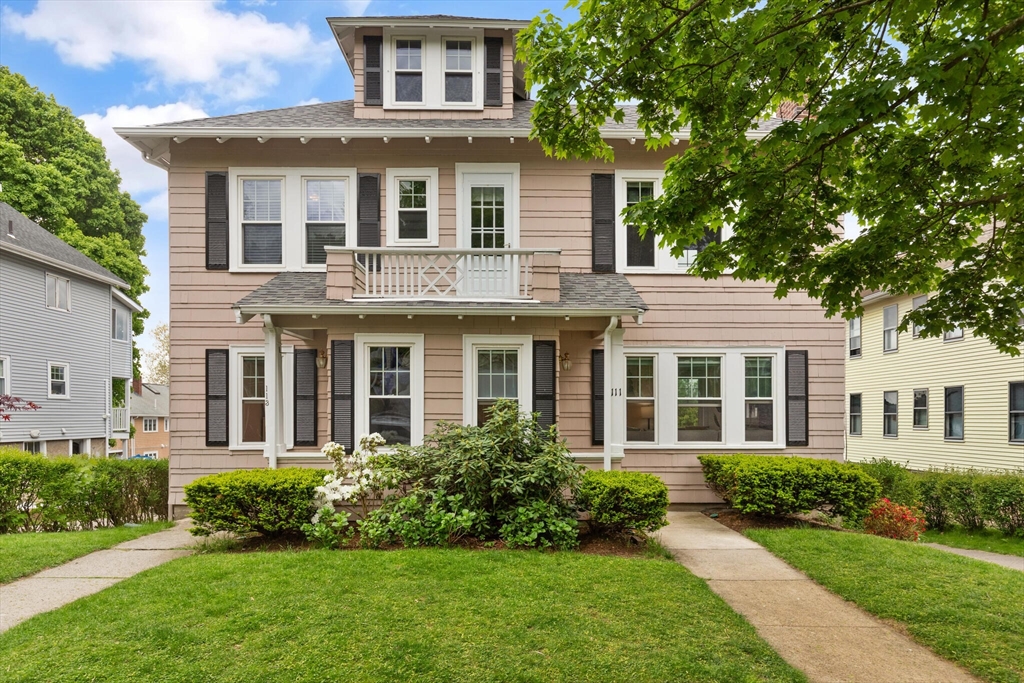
(396, 273)
(119, 420)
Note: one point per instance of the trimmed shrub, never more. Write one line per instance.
(898, 484)
(268, 502)
(618, 501)
(779, 485)
(959, 491)
(892, 520)
(1002, 502)
(933, 503)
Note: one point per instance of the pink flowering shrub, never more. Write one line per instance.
(893, 520)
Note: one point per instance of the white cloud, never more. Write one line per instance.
(137, 176)
(311, 100)
(355, 8)
(231, 55)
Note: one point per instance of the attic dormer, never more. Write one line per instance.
(432, 67)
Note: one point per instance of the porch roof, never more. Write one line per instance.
(579, 293)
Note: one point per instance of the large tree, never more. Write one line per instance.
(911, 118)
(157, 368)
(56, 173)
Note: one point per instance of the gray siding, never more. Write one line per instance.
(32, 335)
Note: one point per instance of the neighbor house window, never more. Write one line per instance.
(890, 321)
(408, 70)
(1016, 411)
(458, 71)
(33, 447)
(167, 424)
(640, 403)
(5, 381)
(639, 250)
(149, 424)
(390, 396)
(920, 408)
(261, 221)
(890, 413)
(699, 410)
(254, 409)
(497, 376)
(58, 380)
(758, 409)
(955, 333)
(855, 337)
(856, 415)
(954, 427)
(58, 292)
(119, 324)
(325, 217)
(918, 302)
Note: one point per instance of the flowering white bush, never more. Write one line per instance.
(353, 482)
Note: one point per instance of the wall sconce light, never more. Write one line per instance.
(566, 363)
(321, 360)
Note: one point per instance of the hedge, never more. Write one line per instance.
(268, 502)
(778, 485)
(621, 501)
(73, 493)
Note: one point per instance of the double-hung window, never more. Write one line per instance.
(699, 410)
(855, 337)
(856, 415)
(759, 396)
(954, 409)
(1016, 412)
(59, 379)
(149, 424)
(58, 292)
(890, 321)
(890, 413)
(119, 324)
(639, 249)
(495, 367)
(917, 303)
(254, 409)
(5, 381)
(408, 70)
(325, 216)
(390, 395)
(955, 333)
(458, 71)
(640, 399)
(167, 424)
(920, 409)
(412, 207)
(497, 377)
(262, 227)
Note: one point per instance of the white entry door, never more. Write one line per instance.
(487, 222)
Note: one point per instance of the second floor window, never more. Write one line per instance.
(955, 333)
(855, 337)
(890, 321)
(856, 415)
(325, 217)
(408, 70)
(119, 324)
(58, 292)
(261, 221)
(639, 250)
(413, 221)
(458, 71)
(149, 424)
(58, 380)
(918, 302)
(1016, 411)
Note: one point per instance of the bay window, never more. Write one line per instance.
(759, 424)
(325, 208)
(261, 221)
(699, 414)
(640, 399)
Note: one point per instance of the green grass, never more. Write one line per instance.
(968, 611)
(423, 615)
(24, 554)
(991, 540)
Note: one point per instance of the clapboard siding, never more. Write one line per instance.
(933, 364)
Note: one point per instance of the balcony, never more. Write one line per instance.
(362, 273)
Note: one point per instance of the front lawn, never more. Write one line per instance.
(991, 540)
(434, 615)
(28, 553)
(968, 611)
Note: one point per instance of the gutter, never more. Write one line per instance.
(248, 311)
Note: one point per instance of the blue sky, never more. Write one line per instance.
(133, 63)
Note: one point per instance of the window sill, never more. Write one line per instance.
(856, 435)
(698, 447)
(855, 355)
(886, 351)
(952, 439)
(65, 397)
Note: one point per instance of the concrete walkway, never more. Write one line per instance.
(1008, 561)
(56, 587)
(829, 639)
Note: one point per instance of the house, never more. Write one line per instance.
(65, 343)
(408, 256)
(151, 421)
(927, 402)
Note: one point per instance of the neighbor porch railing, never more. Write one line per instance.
(119, 420)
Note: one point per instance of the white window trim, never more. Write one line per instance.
(67, 381)
(6, 375)
(156, 425)
(155, 454)
(664, 262)
(961, 337)
(394, 175)
(927, 409)
(235, 396)
(58, 278)
(860, 338)
(461, 211)
(733, 397)
(721, 398)
(896, 330)
(167, 424)
(293, 214)
(118, 311)
(41, 442)
(915, 331)
(471, 343)
(361, 379)
(432, 68)
(656, 398)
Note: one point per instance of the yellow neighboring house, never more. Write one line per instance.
(927, 402)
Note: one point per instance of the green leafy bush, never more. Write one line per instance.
(933, 502)
(959, 490)
(778, 485)
(269, 502)
(1002, 502)
(898, 483)
(620, 501)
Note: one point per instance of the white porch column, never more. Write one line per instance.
(273, 393)
(614, 394)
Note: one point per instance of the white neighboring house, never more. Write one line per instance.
(65, 343)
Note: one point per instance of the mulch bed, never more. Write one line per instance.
(738, 521)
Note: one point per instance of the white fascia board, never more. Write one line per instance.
(61, 265)
(412, 309)
(126, 300)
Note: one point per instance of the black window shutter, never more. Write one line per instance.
(493, 58)
(305, 397)
(373, 84)
(796, 398)
(544, 359)
(597, 397)
(216, 220)
(342, 403)
(602, 207)
(368, 210)
(216, 397)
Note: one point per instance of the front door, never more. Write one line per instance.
(486, 223)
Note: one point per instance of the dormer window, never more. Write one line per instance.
(408, 70)
(458, 70)
(431, 69)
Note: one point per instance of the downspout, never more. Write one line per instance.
(612, 324)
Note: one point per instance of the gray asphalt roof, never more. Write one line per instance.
(154, 401)
(370, 18)
(599, 291)
(34, 238)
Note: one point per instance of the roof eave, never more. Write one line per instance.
(412, 309)
(57, 263)
(126, 300)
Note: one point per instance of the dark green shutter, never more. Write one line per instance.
(342, 400)
(216, 397)
(796, 398)
(305, 397)
(602, 227)
(493, 59)
(597, 397)
(544, 360)
(216, 220)
(373, 83)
